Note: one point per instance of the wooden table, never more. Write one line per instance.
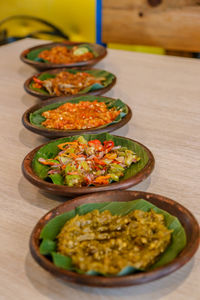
(163, 93)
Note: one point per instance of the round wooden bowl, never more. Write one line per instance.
(56, 133)
(185, 217)
(101, 51)
(64, 190)
(99, 91)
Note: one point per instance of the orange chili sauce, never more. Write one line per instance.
(82, 115)
(63, 55)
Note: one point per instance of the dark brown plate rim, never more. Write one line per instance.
(41, 96)
(186, 218)
(55, 133)
(74, 191)
(44, 66)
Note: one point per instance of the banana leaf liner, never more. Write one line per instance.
(36, 117)
(50, 150)
(53, 227)
(96, 73)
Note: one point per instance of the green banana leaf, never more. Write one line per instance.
(36, 117)
(96, 73)
(50, 150)
(33, 54)
(53, 227)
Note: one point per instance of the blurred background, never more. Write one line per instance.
(154, 26)
(75, 18)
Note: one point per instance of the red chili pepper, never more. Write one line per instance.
(115, 162)
(96, 144)
(96, 168)
(37, 80)
(108, 145)
(99, 162)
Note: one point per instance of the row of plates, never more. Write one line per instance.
(110, 192)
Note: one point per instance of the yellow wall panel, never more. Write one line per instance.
(75, 17)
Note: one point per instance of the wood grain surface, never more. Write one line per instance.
(172, 25)
(163, 93)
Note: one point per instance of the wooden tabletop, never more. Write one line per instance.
(163, 93)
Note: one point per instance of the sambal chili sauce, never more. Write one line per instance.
(63, 55)
(82, 115)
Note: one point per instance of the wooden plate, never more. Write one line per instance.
(99, 91)
(44, 66)
(185, 217)
(74, 191)
(56, 133)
